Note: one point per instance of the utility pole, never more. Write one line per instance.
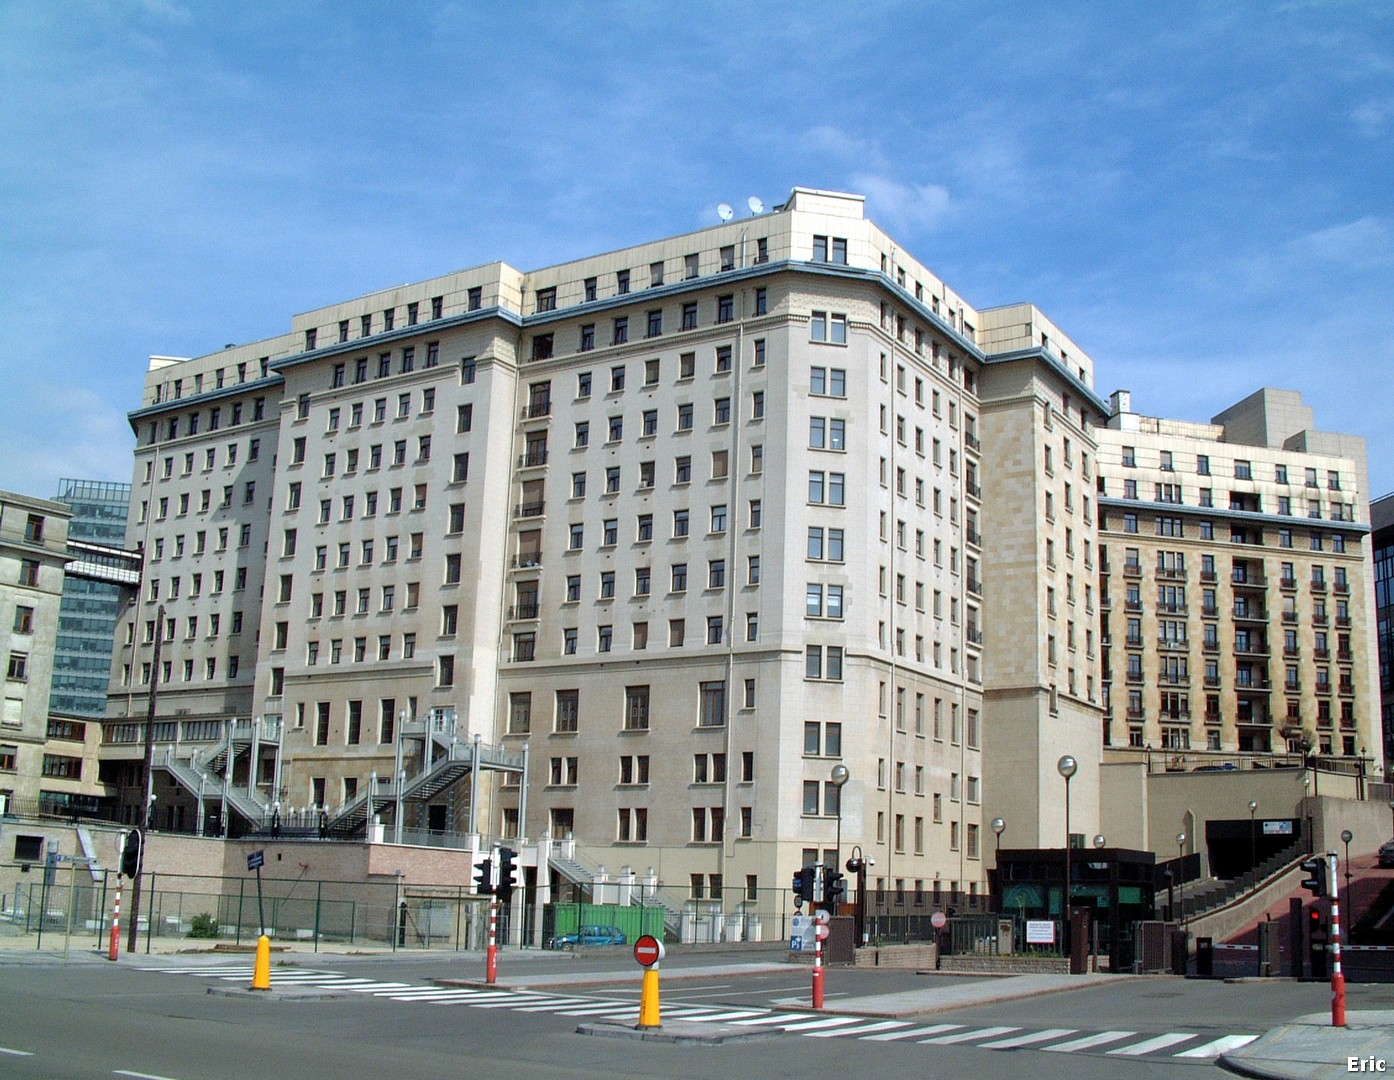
(147, 778)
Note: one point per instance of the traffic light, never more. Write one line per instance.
(507, 876)
(1315, 882)
(834, 886)
(484, 877)
(130, 854)
(798, 887)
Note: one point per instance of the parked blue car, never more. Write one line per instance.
(590, 935)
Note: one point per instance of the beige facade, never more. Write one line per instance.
(666, 533)
(33, 551)
(1237, 582)
(697, 517)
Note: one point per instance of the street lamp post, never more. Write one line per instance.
(839, 776)
(1181, 874)
(999, 826)
(1346, 837)
(1391, 812)
(1253, 838)
(1067, 766)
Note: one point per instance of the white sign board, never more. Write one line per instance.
(801, 933)
(1040, 932)
(1277, 828)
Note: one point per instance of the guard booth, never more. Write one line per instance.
(1114, 885)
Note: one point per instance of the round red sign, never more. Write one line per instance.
(648, 950)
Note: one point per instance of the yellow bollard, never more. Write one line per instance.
(648, 1000)
(261, 974)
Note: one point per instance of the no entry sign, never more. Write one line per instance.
(648, 950)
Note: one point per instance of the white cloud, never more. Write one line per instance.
(918, 207)
(1362, 243)
(1370, 117)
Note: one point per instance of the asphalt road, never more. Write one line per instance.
(92, 1019)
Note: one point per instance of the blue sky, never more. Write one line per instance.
(1199, 193)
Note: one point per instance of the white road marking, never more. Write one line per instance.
(820, 1023)
(1090, 1041)
(139, 1075)
(914, 1033)
(1029, 1039)
(856, 1033)
(1161, 1042)
(969, 1036)
(16, 1053)
(1218, 1047)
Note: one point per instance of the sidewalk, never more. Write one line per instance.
(1309, 1048)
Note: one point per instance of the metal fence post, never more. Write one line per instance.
(319, 892)
(241, 892)
(150, 914)
(101, 911)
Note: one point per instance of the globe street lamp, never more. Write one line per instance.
(1253, 838)
(839, 776)
(999, 826)
(1067, 766)
(1346, 837)
(1099, 842)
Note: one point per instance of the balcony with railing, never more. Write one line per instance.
(1170, 644)
(523, 611)
(975, 586)
(1132, 569)
(533, 458)
(1245, 613)
(1209, 577)
(530, 509)
(1341, 588)
(1249, 579)
(537, 409)
(1288, 583)
(973, 489)
(526, 559)
(1319, 586)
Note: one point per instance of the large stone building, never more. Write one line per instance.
(33, 550)
(1236, 583)
(1382, 518)
(633, 550)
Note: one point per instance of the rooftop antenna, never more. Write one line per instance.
(724, 211)
(755, 204)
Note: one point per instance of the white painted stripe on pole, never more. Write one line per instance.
(914, 1033)
(969, 1036)
(1028, 1040)
(16, 1053)
(1090, 1041)
(858, 1032)
(1218, 1047)
(1160, 1042)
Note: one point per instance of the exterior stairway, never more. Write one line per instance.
(577, 870)
(201, 780)
(450, 758)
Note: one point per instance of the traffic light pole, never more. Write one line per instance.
(491, 964)
(1338, 979)
(115, 948)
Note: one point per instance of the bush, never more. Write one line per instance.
(203, 926)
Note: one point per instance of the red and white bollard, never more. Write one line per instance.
(491, 966)
(115, 948)
(817, 967)
(1338, 979)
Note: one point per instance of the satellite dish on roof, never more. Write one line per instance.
(724, 211)
(755, 204)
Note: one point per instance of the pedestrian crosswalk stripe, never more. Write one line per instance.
(914, 1033)
(1088, 1042)
(856, 1033)
(1029, 1039)
(1218, 1047)
(822, 1022)
(1161, 1042)
(761, 1018)
(968, 1036)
